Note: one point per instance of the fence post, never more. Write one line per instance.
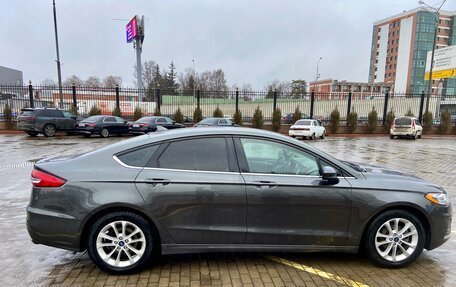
(198, 98)
(31, 94)
(312, 100)
(75, 104)
(274, 106)
(237, 100)
(157, 94)
(421, 107)
(117, 97)
(385, 108)
(349, 103)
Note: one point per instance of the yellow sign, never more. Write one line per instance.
(443, 74)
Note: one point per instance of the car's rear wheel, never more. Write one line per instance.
(32, 134)
(323, 135)
(121, 242)
(391, 137)
(312, 137)
(395, 239)
(104, 133)
(87, 135)
(49, 130)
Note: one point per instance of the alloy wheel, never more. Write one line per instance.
(121, 243)
(396, 239)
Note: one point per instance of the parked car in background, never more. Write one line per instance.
(307, 129)
(47, 121)
(103, 126)
(215, 122)
(149, 124)
(288, 118)
(225, 190)
(406, 127)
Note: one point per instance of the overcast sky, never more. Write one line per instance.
(252, 41)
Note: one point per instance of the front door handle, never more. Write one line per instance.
(154, 181)
(265, 184)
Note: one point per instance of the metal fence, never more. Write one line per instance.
(314, 105)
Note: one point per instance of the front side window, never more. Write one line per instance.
(160, 121)
(119, 120)
(204, 154)
(110, 120)
(276, 158)
(222, 122)
(68, 115)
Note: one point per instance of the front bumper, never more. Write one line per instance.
(440, 219)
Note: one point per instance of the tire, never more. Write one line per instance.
(104, 133)
(414, 137)
(32, 134)
(323, 135)
(49, 130)
(293, 136)
(116, 245)
(393, 239)
(391, 137)
(87, 135)
(312, 137)
(419, 136)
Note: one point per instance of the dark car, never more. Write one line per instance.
(149, 124)
(215, 122)
(47, 121)
(230, 189)
(103, 126)
(288, 118)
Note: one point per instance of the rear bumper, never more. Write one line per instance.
(299, 133)
(53, 229)
(28, 127)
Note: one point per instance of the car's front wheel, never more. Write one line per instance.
(323, 135)
(32, 134)
(395, 239)
(121, 243)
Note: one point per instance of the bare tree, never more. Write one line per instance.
(112, 81)
(73, 79)
(93, 82)
(48, 82)
(187, 82)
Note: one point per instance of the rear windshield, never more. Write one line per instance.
(145, 120)
(27, 113)
(303, 123)
(209, 121)
(403, 122)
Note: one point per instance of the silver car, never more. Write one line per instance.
(229, 189)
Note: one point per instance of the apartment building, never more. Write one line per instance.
(399, 47)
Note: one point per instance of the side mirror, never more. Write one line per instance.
(330, 175)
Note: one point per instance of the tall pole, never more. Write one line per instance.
(318, 75)
(139, 68)
(59, 73)
(194, 79)
(436, 13)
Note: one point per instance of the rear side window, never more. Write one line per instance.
(138, 157)
(27, 113)
(403, 122)
(50, 113)
(109, 120)
(208, 154)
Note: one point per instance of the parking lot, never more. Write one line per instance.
(26, 264)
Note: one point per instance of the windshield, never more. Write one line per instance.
(209, 121)
(145, 120)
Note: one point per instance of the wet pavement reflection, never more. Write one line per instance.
(24, 263)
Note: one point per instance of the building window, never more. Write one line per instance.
(393, 33)
(376, 61)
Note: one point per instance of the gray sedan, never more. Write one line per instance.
(229, 189)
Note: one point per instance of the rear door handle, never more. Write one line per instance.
(154, 181)
(265, 184)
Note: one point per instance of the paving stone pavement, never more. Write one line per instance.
(26, 264)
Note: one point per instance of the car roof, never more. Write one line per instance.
(49, 109)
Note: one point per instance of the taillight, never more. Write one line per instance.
(413, 125)
(90, 125)
(43, 179)
(143, 125)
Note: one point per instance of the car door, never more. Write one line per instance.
(287, 200)
(194, 189)
(110, 124)
(70, 120)
(122, 126)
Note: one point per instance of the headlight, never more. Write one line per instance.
(438, 198)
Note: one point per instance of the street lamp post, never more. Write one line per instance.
(194, 80)
(430, 81)
(59, 74)
(318, 75)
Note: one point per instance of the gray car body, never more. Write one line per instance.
(226, 211)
